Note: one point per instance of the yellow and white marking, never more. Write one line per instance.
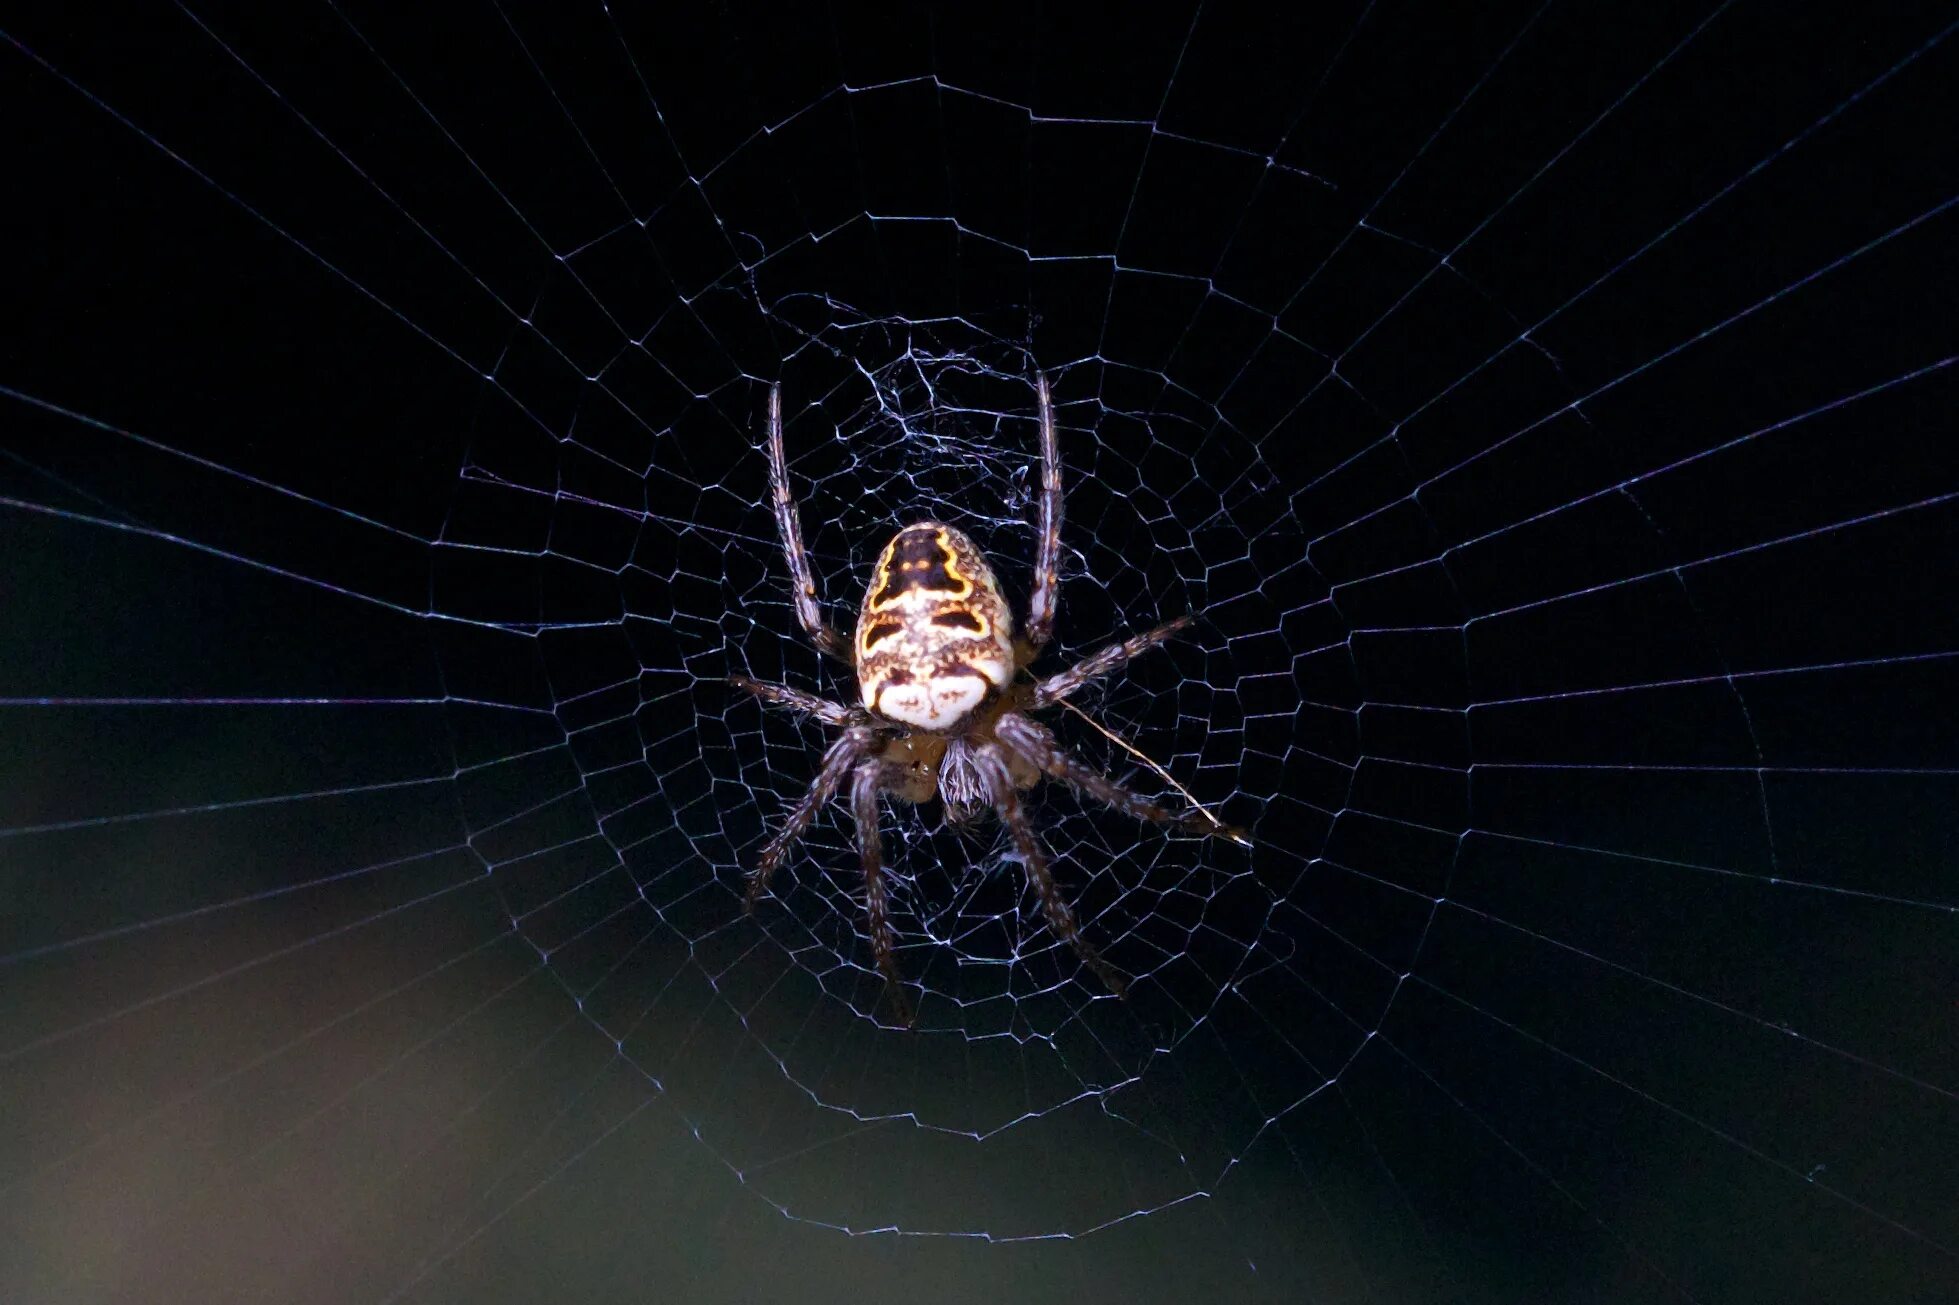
(935, 637)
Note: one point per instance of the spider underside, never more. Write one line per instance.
(946, 700)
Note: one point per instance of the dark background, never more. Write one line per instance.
(1546, 409)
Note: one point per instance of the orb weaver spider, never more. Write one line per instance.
(946, 700)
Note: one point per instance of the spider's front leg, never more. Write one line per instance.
(851, 747)
(992, 759)
(1036, 742)
(871, 778)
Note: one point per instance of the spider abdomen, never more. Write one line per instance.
(934, 638)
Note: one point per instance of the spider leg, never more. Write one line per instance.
(1037, 743)
(852, 746)
(1061, 920)
(781, 695)
(866, 783)
(1045, 599)
(790, 527)
(1056, 687)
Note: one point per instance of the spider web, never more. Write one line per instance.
(1542, 415)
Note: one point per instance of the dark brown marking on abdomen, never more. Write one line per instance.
(919, 560)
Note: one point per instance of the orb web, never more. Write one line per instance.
(1553, 488)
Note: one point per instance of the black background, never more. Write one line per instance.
(1546, 409)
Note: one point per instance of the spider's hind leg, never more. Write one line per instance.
(802, 584)
(1045, 600)
(1056, 688)
(781, 695)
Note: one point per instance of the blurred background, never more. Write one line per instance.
(1545, 410)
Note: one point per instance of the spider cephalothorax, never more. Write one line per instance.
(945, 698)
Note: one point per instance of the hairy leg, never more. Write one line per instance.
(1061, 920)
(802, 586)
(1057, 687)
(781, 695)
(1037, 743)
(866, 782)
(1046, 599)
(850, 748)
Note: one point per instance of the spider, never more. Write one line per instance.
(946, 696)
